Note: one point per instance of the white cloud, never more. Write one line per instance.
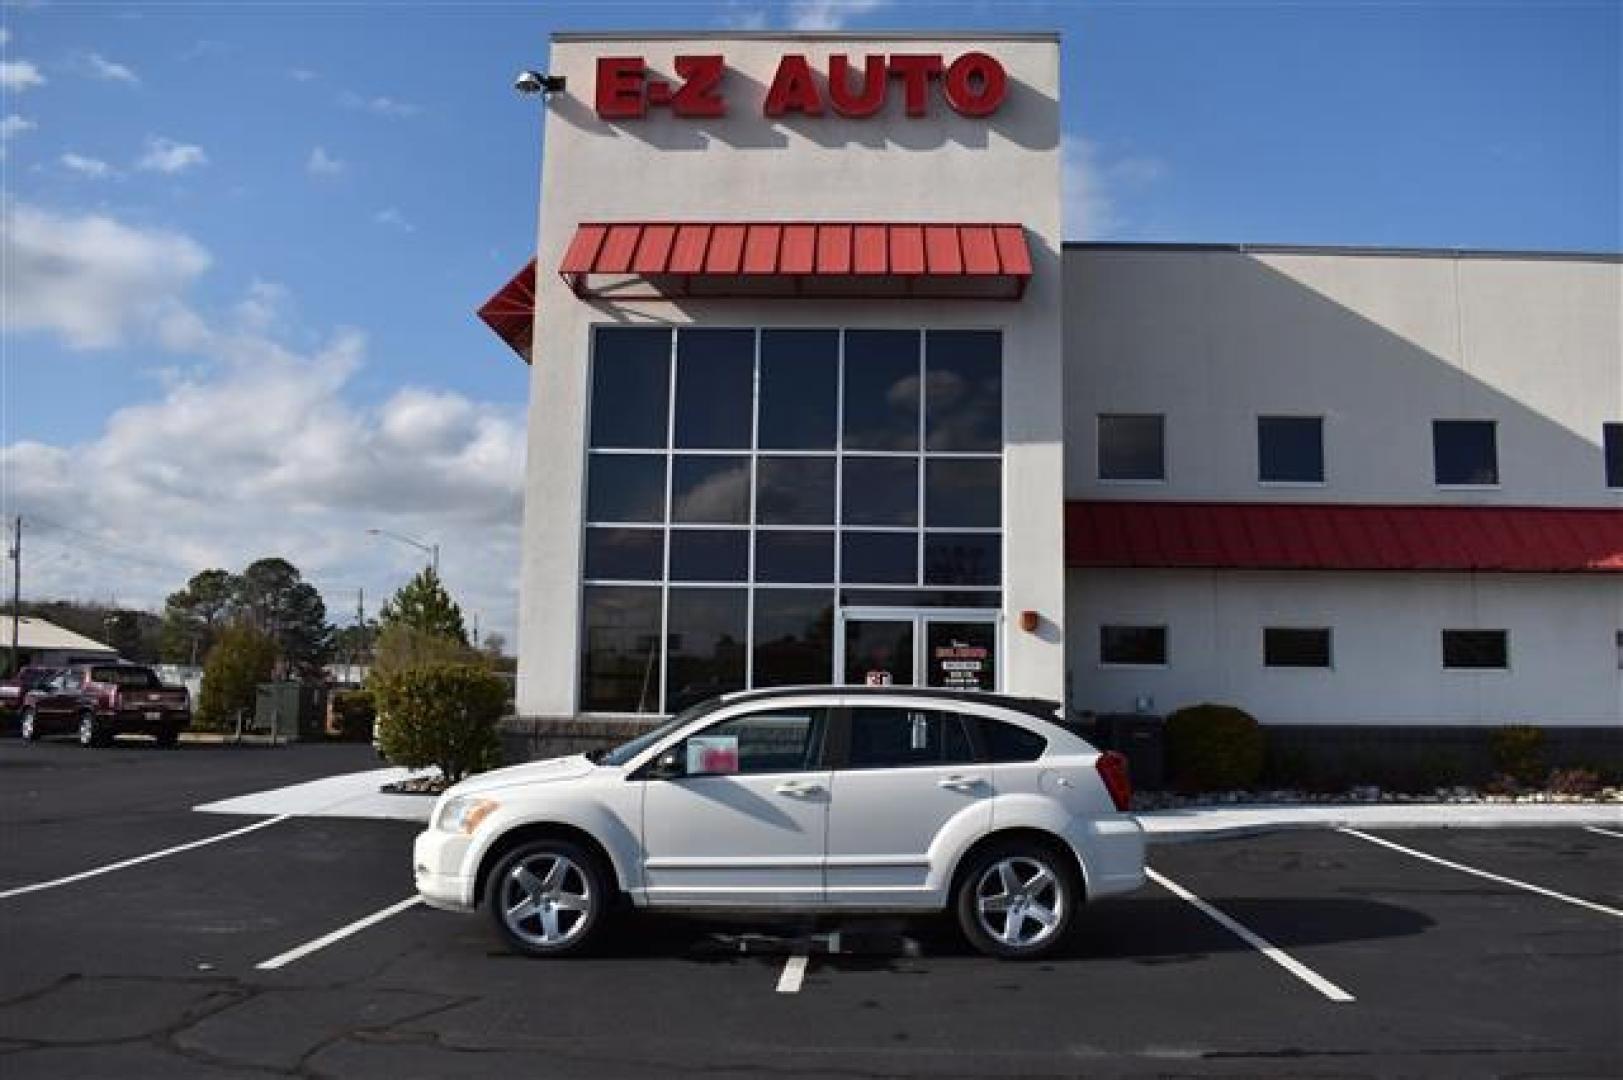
(379, 106)
(829, 14)
(321, 163)
(98, 66)
(90, 279)
(5, 35)
(263, 307)
(1094, 185)
(13, 126)
(19, 75)
(740, 16)
(302, 75)
(168, 156)
(95, 168)
(389, 217)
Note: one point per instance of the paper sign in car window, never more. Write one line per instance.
(712, 754)
(921, 731)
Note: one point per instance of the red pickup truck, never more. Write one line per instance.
(98, 702)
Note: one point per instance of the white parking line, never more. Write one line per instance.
(1255, 940)
(794, 972)
(340, 934)
(1541, 890)
(139, 859)
(1604, 832)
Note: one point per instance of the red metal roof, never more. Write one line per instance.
(1339, 536)
(652, 259)
(511, 311)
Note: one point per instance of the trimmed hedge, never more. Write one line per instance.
(1214, 748)
(442, 715)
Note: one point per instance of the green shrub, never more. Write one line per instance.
(240, 660)
(1574, 781)
(1518, 752)
(442, 715)
(353, 712)
(1214, 748)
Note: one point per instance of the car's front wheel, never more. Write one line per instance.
(547, 898)
(30, 726)
(1016, 901)
(90, 732)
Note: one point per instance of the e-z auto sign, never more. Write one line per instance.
(973, 84)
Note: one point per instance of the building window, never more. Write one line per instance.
(1132, 448)
(1465, 453)
(741, 482)
(1290, 450)
(1133, 646)
(1613, 438)
(1476, 649)
(1295, 647)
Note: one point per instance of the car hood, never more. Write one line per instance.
(532, 772)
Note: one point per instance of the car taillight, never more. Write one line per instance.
(1113, 771)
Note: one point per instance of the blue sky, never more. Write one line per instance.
(220, 211)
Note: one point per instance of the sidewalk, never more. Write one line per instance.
(350, 795)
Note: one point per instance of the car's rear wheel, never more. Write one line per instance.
(547, 898)
(1016, 901)
(90, 732)
(30, 726)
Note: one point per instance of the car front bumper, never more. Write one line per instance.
(437, 860)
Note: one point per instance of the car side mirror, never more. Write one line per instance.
(667, 766)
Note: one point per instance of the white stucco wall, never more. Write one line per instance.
(1386, 645)
(1379, 345)
(745, 167)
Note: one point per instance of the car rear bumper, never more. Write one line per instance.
(436, 860)
(145, 721)
(1113, 854)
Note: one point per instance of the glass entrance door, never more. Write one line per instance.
(950, 650)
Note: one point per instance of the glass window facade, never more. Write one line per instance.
(1290, 450)
(1465, 452)
(742, 484)
(1132, 448)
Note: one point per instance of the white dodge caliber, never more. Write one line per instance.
(815, 799)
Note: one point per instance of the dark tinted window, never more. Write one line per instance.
(1464, 452)
(799, 389)
(794, 637)
(1006, 742)
(1476, 649)
(709, 554)
(619, 661)
(784, 740)
(963, 390)
(1290, 449)
(962, 493)
(962, 559)
(1131, 448)
(794, 491)
(1614, 455)
(880, 491)
(706, 630)
(881, 390)
(625, 487)
(631, 371)
(710, 490)
(625, 554)
(919, 598)
(138, 678)
(1133, 645)
(1295, 647)
(889, 738)
(715, 382)
(879, 558)
(794, 558)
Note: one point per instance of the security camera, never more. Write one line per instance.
(534, 82)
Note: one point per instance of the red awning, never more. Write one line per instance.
(1275, 536)
(511, 311)
(665, 260)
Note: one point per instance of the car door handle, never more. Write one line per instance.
(798, 787)
(959, 783)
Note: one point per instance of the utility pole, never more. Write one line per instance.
(476, 629)
(16, 590)
(360, 626)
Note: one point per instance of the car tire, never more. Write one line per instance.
(1016, 901)
(90, 732)
(168, 739)
(28, 726)
(548, 898)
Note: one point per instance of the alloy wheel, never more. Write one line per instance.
(87, 730)
(30, 730)
(1019, 902)
(546, 900)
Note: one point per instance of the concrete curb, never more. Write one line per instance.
(1187, 826)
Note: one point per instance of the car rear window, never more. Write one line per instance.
(1006, 742)
(139, 678)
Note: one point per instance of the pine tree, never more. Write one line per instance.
(424, 605)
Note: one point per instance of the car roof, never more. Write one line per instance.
(1040, 708)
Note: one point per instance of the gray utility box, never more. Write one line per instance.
(291, 711)
(1142, 739)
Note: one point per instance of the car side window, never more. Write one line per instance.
(894, 737)
(1006, 742)
(780, 740)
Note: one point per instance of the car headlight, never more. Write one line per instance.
(464, 814)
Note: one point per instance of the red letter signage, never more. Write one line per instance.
(915, 73)
(619, 87)
(976, 85)
(793, 89)
(872, 97)
(624, 90)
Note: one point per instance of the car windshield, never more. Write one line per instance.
(628, 750)
(137, 677)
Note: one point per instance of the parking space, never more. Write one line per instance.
(155, 969)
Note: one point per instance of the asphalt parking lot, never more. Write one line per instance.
(1382, 962)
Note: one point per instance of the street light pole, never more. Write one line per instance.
(431, 550)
